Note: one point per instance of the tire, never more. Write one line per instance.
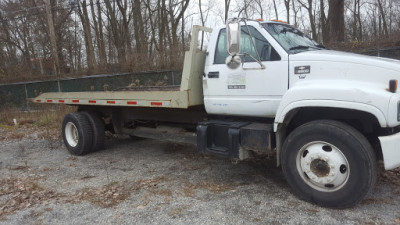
(77, 133)
(329, 163)
(97, 126)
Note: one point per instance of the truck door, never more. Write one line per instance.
(248, 90)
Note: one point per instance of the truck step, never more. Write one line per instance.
(233, 139)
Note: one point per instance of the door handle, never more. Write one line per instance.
(213, 75)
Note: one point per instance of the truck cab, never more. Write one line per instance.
(248, 90)
(333, 112)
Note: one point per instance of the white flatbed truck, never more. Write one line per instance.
(262, 88)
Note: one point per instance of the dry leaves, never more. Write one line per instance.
(106, 196)
(211, 186)
(22, 193)
(391, 177)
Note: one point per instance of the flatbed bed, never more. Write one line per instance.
(188, 94)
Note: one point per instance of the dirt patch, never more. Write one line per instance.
(391, 177)
(107, 196)
(22, 193)
(189, 189)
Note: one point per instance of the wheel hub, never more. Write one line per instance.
(71, 134)
(322, 166)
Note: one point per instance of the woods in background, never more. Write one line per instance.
(54, 38)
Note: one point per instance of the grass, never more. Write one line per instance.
(44, 122)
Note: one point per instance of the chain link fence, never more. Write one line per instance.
(18, 94)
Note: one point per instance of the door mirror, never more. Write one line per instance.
(233, 61)
(233, 36)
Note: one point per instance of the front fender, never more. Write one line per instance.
(367, 97)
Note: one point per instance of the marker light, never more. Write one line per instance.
(281, 21)
(392, 86)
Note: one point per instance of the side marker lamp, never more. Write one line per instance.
(392, 86)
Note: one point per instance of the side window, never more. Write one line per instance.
(264, 48)
(221, 52)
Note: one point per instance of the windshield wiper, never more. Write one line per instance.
(299, 47)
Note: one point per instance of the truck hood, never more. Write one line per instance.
(346, 57)
(342, 68)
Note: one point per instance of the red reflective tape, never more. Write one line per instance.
(61, 101)
(49, 100)
(156, 103)
(92, 101)
(75, 101)
(38, 100)
(110, 102)
(131, 103)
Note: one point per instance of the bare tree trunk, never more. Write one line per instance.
(183, 29)
(202, 23)
(52, 37)
(287, 6)
(138, 27)
(126, 38)
(310, 11)
(83, 14)
(383, 16)
(336, 20)
(259, 4)
(227, 5)
(176, 20)
(360, 27)
(356, 25)
(295, 13)
(161, 31)
(276, 10)
(323, 23)
(101, 35)
(97, 25)
(115, 32)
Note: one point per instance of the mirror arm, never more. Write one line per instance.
(253, 43)
(262, 66)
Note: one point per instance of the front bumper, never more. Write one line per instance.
(391, 150)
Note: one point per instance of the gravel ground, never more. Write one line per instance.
(154, 182)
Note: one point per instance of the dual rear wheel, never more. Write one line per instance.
(83, 132)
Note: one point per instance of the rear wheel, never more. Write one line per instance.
(77, 133)
(97, 126)
(329, 163)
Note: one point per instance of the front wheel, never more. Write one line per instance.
(329, 163)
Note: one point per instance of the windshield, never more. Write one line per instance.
(291, 39)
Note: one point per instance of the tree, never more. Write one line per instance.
(98, 30)
(226, 7)
(309, 7)
(84, 16)
(336, 20)
(52, 35)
